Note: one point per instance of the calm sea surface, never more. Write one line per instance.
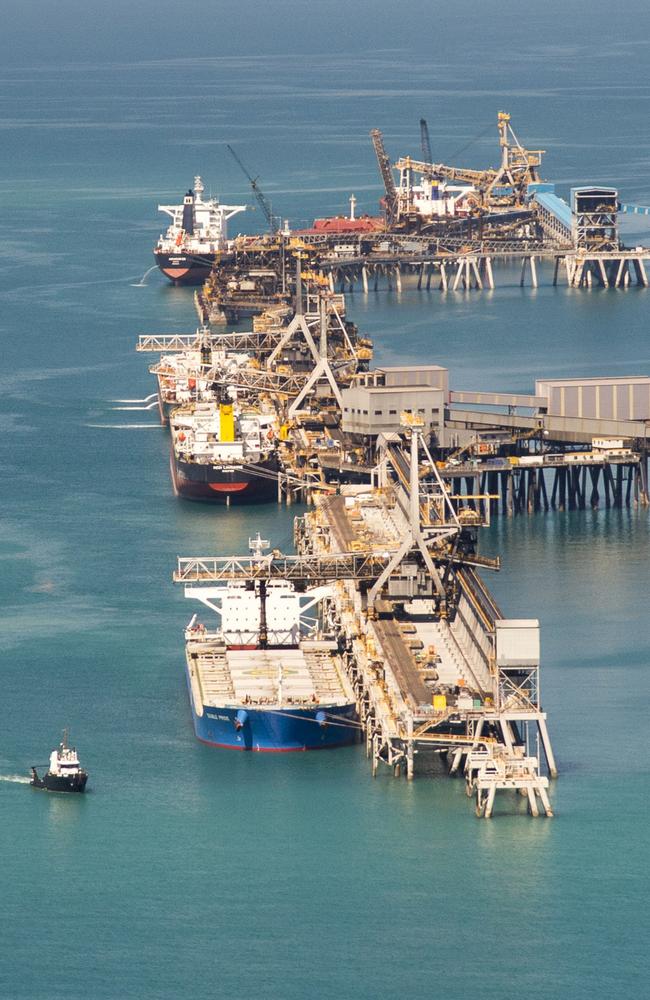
(189, 872)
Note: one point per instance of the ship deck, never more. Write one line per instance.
(311, 675)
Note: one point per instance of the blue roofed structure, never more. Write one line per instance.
(554, 215)
(557, 206)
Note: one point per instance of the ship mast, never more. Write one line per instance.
(256, 547)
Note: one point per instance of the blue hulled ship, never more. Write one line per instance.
(266, 679)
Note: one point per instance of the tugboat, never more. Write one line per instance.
(65, 774)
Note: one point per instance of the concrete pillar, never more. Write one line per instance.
(522, 278)
(546, 745)
(409, 750)
(488, 272)
(570, 266)
(603, 273)
(639, 270)
(456, 758)
(619, 273)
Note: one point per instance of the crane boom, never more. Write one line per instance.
(261, 200)
(386, 173)
(425, 141)
(464, 175)
(518, 168)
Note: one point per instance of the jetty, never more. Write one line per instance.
(401, 469)
(570, 444)
(435, 667)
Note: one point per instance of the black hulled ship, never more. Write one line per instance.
(187, 251)
(65, 773)
(224, 451)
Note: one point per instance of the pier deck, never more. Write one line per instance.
(427, 677)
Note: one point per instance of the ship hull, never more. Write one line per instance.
(283, 730)
(58, 783)
(210, 484)
(185, 268)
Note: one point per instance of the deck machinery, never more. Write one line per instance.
(434, 666)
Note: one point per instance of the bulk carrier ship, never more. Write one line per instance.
(262, 681)
(186, 252)
(224, 450)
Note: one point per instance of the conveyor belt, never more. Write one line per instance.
(401, 664)
(335, 510)
(479, 596)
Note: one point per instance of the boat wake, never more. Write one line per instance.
(146, 399)
(124, 427)
(16, 779)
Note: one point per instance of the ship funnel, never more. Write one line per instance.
(226, 422)
(188, 213)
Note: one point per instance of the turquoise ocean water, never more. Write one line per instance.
(186, 872)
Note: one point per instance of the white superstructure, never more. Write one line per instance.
(222, 434)
(179, 378)
(64, 762)
(197, 226)
(428, 198)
